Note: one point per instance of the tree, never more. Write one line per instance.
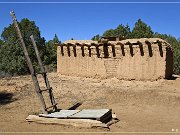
(51, 53)
(109, 33)
(141, 30)
(56, 39)
(1, 42)
(122, 31)
(96, 38)
(12, 58)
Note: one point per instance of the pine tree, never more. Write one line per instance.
(12, 58)
(141, 30)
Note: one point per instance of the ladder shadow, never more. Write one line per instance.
(75, 106)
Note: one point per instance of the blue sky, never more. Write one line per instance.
(83, 21)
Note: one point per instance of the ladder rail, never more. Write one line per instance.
(43, 71)
(31, 68)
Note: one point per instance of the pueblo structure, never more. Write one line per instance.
(128, 59)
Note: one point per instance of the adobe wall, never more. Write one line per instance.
(123, 60)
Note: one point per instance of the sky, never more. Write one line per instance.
(84, 20)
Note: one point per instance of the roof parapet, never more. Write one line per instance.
(89, 43)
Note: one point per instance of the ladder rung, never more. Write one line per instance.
(51, 106)
(46, 89)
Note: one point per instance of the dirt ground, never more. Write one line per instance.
(141, 107)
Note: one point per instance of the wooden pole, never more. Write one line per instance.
(33, 75)
(43, 73)
(37, 54)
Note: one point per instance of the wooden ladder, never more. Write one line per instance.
(43, 72)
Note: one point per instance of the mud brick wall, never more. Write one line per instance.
(126, 61)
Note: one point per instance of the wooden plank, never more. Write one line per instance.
(87, 123)
(92, 114)
(106, 117)
(103, 115)
(61, 114)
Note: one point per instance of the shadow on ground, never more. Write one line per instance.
(173, 77)
(6, 97)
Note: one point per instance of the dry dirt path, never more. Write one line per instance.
(140, 106)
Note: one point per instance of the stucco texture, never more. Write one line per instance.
(131, 59)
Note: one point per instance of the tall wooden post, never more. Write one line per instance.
(33, 75)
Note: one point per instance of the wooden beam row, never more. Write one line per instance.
(111, 44)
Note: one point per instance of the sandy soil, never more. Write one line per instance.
(140, 106)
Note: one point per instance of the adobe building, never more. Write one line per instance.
(128, 59)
